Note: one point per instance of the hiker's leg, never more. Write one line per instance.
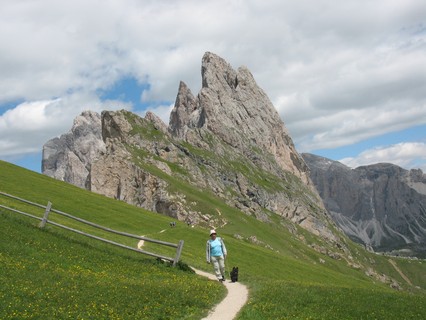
(222, 266)
(216, 266)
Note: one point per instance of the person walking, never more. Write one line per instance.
(216, 254)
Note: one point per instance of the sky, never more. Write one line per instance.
(348, 78)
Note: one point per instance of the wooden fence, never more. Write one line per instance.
(48, 209)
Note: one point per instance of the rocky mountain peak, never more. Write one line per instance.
(234, 108)
(228, 140)
(217, 74)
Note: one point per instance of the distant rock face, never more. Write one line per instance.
(382, 206)
(69, 157)
(228, 139)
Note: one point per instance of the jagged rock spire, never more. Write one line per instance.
(186, 105)
(233, 107)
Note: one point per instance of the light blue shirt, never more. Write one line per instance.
(216, 248)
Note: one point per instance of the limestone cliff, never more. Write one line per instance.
(69, 157)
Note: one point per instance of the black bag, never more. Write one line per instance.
(234, 274)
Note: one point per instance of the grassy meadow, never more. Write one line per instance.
(52, 273)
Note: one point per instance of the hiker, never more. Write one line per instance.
(216, 254)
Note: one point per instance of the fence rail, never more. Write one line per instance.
(48, 209)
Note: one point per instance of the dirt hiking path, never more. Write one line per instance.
(228, 308)
(393, 263)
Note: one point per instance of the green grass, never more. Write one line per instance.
(53, 273)
(50, 274)
(284, 300)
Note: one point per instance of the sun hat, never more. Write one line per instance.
(212, 231)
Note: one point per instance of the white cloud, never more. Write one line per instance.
(401, 154)
(346, 127)
(338, 72)
(25, 128)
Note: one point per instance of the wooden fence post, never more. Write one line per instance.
(178, 252)
(46, 214)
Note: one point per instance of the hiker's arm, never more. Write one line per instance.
(225, 253)
(208, 252)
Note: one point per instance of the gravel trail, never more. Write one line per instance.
(228, 308)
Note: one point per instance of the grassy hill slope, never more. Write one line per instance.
(55, 273)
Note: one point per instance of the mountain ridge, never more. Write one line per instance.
(229, 139)
(382, 205)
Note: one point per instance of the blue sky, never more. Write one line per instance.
(348, 78)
